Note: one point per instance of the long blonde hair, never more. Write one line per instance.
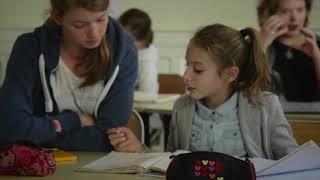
(230, 47)
(99, 58)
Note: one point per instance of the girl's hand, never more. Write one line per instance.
(86, 119)
(310, 47)
(271, 29)
(122, 139)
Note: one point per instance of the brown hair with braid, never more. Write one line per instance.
(230, 47)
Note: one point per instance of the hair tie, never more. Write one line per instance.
(243, 33)
(245, 36)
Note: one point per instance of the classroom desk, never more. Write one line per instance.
(152, 107)
(300, 107)
(305, 126)
(66, 171)
(164, 107)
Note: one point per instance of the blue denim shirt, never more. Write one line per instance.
(217, 129)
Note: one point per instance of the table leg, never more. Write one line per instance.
(166, 125)
(146, 122)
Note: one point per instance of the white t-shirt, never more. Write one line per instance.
(65, 86)
(148, 71)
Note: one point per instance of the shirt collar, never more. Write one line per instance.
(227, 107)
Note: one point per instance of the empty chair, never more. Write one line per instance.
(171, 84)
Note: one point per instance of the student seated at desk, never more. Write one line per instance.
(69, 80)
(138, 24)
(293, 49)
(228, 109)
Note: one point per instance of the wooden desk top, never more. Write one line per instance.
(162, 106)
(305, 126)
(303, 117)
(150, 107)
(65, 170)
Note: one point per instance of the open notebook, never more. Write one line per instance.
(129, 163)
(306, 157)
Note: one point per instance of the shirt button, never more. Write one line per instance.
(192, 135)
(235, 134)
(211, 126)
(211, 149)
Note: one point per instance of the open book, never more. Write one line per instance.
(119, 162)
(306, 157)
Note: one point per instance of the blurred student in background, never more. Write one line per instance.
(292, 48)
(228, 108)
(70, 80)
(138, 23)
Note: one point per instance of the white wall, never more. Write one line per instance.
(184, 15)
(16, 17)
(174, 21)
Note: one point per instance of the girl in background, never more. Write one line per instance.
(138, 24)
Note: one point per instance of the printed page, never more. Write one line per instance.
(165, 160)
(305, 157)
(118, 162)
(261, 164)
(156, 157)
(161, 165)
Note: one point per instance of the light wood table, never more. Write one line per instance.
(305, 127)
(163, 106)
(65, 171)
